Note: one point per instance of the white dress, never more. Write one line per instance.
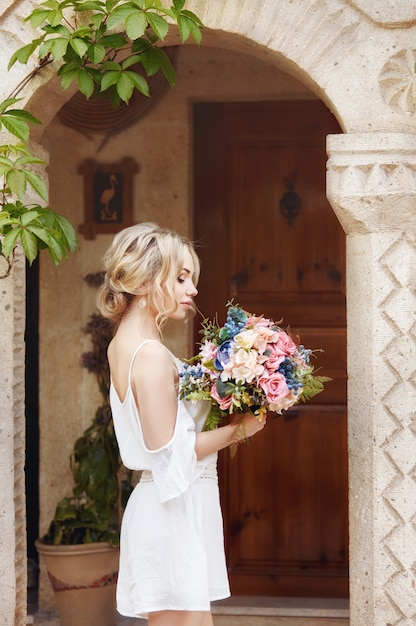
(171, 545)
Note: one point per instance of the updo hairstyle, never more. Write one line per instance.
(143, 260)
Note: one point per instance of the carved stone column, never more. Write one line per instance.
(371, 184)
(13, 581)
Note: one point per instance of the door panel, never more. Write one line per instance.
(268, 238)
(278, 488)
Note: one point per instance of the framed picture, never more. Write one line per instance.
(108, 196)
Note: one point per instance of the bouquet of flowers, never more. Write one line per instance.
(249, 364)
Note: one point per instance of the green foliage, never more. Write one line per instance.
(86, 37)
(312, 386)
(91, 513)
(34, 226)
(95, 360)
(209, 329)
(214, 417)
(105, 46)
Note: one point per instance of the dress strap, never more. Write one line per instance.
(137, 350)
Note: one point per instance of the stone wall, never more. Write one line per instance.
(12, 442)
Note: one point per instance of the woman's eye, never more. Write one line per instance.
(180, 279)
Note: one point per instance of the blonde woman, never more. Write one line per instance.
(172, 563)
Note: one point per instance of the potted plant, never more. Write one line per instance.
(80, 549)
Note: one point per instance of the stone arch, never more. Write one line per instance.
(357, 57)
(345, 52)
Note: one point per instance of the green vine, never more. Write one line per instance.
(106, 47)
(35, 226)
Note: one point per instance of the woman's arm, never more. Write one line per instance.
(241, 427)
(154, 386)
(155, 389)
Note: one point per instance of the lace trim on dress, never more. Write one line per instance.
(209, 473)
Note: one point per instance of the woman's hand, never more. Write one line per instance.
(246, 425)
(241, 427)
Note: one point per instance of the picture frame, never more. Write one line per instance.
(108, 196)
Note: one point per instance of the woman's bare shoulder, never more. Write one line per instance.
(152, 356)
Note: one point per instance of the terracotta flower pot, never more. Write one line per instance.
(83, 578)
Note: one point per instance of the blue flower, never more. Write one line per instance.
(223, 355)
(236, 321)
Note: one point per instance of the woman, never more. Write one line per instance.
(172, 561)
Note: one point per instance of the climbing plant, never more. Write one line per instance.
(109, 46)
(33, 225)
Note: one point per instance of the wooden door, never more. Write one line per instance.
(284, 496)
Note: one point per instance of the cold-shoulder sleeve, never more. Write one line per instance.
(174, 466)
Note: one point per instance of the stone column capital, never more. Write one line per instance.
(371, 181)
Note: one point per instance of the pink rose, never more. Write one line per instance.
(275, 358)
(224, 403)
(285, 344)
(208, 351)
(286, 402)
(258, 321)
(274, 386)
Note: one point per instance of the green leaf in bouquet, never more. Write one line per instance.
(224, 388)
(223, 334)
(196, 395)
(209, 329)
(214, 417)
(312, 385)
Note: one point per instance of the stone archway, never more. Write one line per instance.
(358, 58)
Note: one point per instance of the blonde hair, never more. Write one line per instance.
(143, 260)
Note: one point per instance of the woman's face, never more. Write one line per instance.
(184, 289)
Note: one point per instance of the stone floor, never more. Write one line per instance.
(244, 610)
